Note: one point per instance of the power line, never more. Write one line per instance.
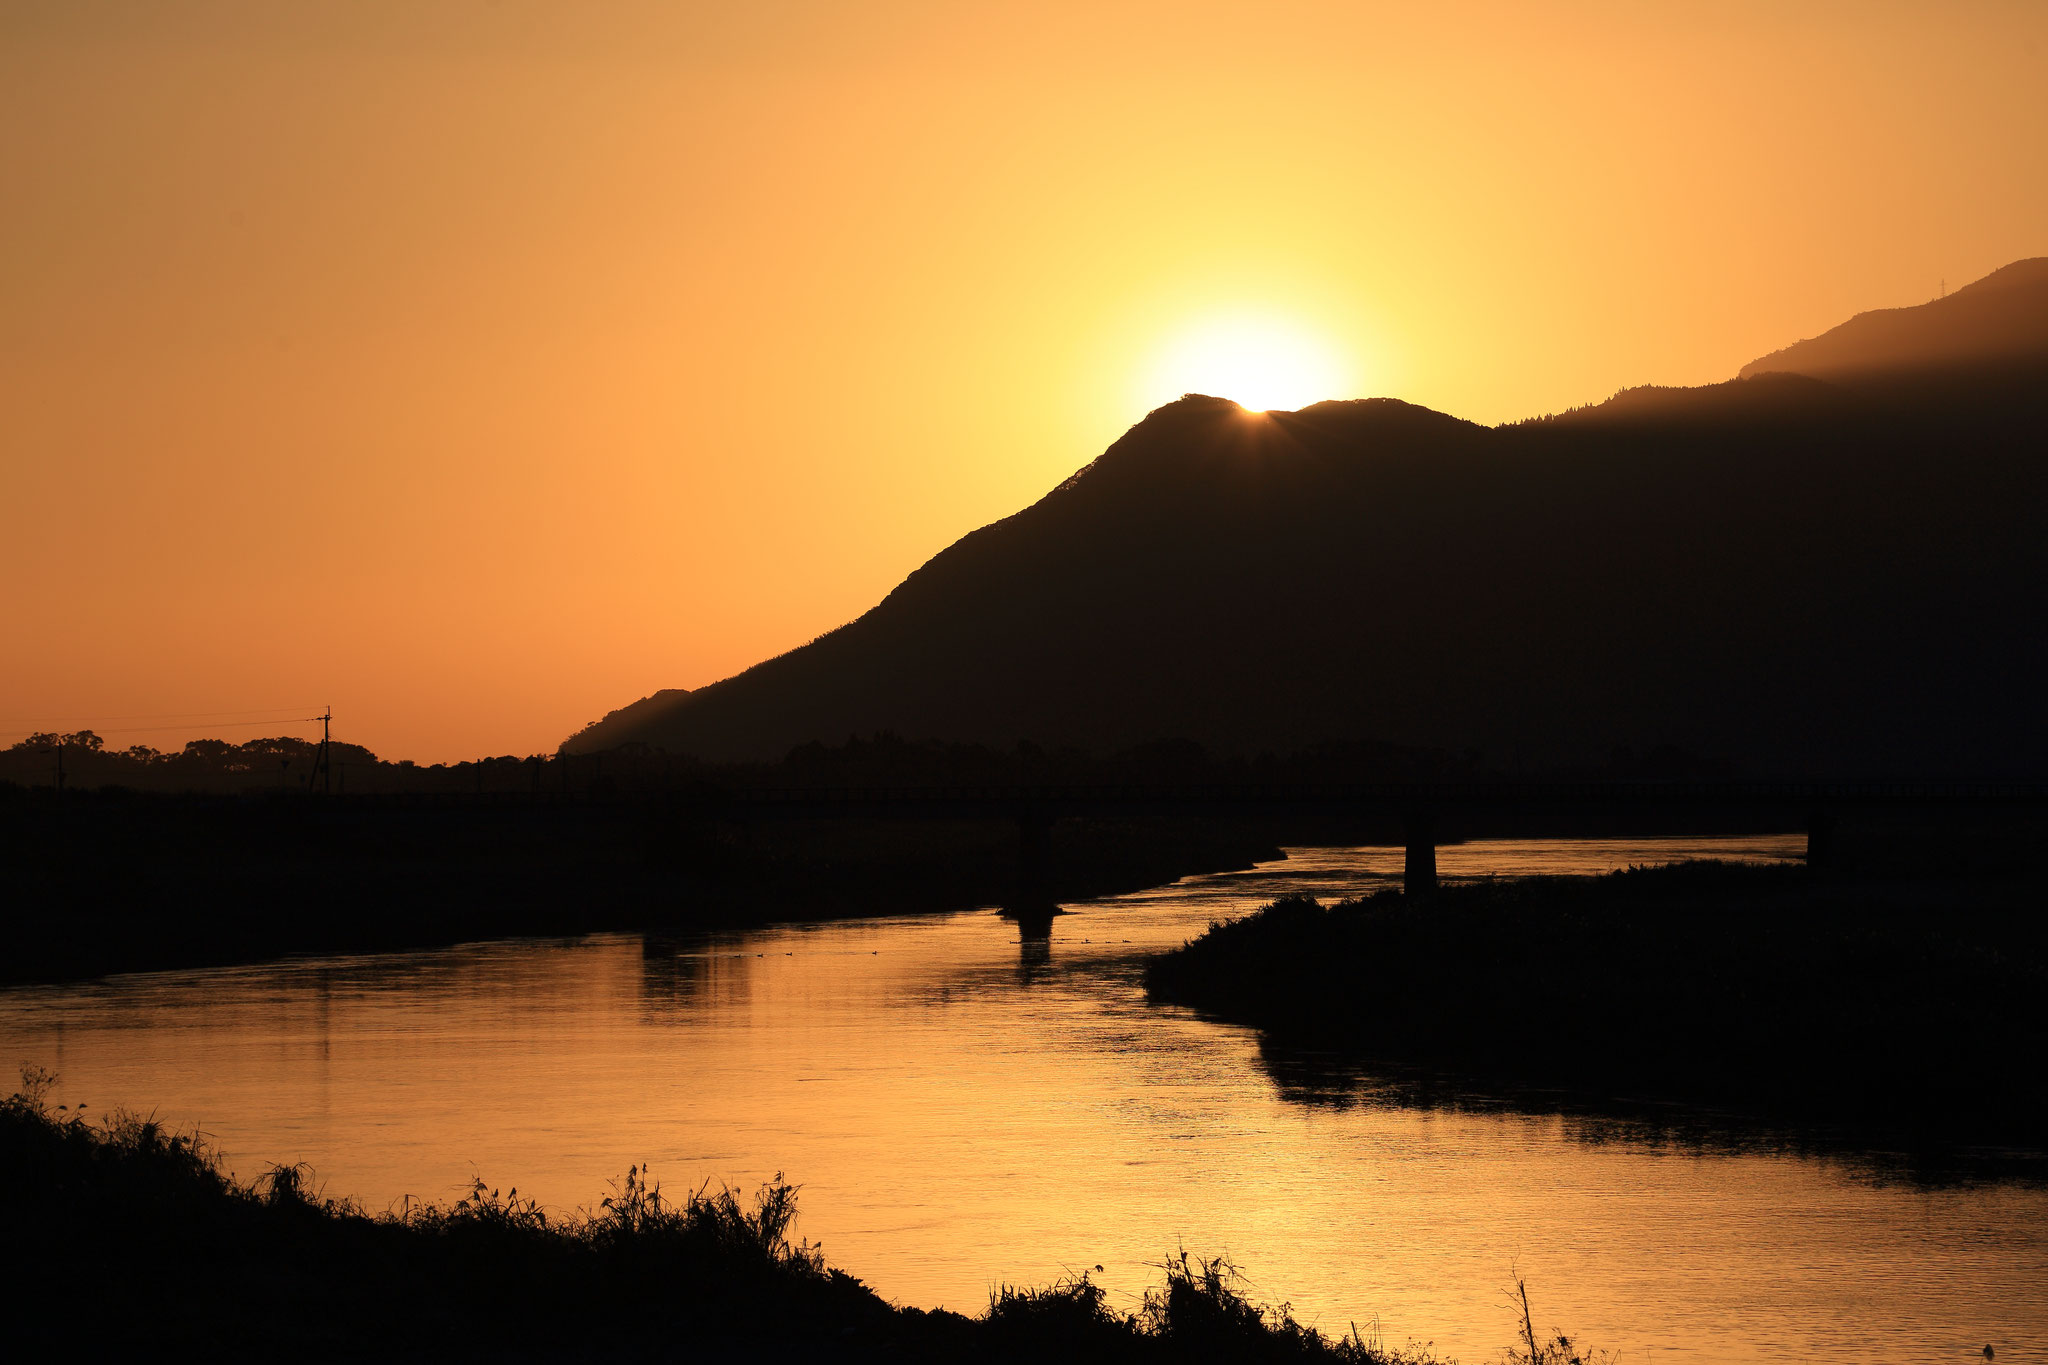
(217, 725)
(162, 715)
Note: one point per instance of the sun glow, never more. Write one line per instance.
(1261, 363)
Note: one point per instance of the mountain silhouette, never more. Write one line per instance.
(1833, 565)
(1998, 323)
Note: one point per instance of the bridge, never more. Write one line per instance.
(1422, 809)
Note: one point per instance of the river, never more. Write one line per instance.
(963, 1108)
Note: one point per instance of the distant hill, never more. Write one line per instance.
(1794, 571)
(2000, 321)
(630, 721)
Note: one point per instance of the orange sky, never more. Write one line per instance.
(479, 367)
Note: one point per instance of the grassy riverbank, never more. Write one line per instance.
(1919, 1008)
(109, 881)
(130, 1238)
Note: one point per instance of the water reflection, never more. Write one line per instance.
(1034, 921)
(967, 1099)
(1333, 1082)
(674, 975)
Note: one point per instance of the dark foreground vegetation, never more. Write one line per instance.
(1908, 1010)
(125, 1237)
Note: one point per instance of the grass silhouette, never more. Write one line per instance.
(130, 1236)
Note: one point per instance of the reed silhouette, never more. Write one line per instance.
(205, 1262)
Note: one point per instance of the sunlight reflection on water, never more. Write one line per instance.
(962, 1109)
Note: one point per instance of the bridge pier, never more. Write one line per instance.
(1418, 869)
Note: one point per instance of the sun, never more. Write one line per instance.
(1261, 363)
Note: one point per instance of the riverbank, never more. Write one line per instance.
(120, 881)
(1912, 1008)
(127, 1237)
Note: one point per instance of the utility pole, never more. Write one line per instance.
(323, 757)
(57, 749)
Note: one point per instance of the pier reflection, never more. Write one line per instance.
(1034, 920)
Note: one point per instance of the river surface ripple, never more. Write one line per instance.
(962, 1109)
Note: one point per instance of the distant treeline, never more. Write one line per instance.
(220, 854)
(211, 765)
(283, 764)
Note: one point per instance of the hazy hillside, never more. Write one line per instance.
(1780, 573)
(631, 719)
(1999, 320)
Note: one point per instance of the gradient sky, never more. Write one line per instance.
(480, 367)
